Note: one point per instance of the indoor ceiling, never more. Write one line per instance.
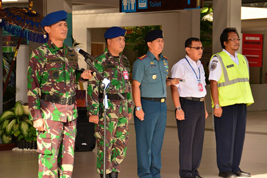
(107, 4)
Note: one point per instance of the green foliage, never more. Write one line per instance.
(206, 26)
(135, 40)
(15, 123)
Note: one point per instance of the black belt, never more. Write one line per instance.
(58, 99)
(193, 99)
(114, 96)
(155, 99)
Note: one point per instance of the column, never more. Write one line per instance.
(227, 13)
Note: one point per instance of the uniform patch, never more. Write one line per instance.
(153, 66)
(229, 66)
(56, 74)
(54, 60)
(213, 66)
(109, 66)
(143, 57)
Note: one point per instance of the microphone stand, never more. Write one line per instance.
(104, 85)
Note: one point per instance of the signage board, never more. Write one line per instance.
(158, 5)
(252, 49)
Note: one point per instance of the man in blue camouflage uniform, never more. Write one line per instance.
(149, 92)
(52, 77)
(115, 67)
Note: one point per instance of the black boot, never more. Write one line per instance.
(114, 175)
(107, 176)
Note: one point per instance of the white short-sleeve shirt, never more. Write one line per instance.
(189, 88)
(215, 67)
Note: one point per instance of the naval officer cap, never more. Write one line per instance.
(53, 18)
(152, 35)
(114, 32)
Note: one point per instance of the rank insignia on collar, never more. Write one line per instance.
(142, 57)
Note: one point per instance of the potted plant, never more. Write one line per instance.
(16, 126)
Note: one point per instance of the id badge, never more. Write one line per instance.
(125, 75)
(200, 87)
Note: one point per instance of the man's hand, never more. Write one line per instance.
(94, 119)
(86, 74)
(218, 112)
(206, 114)
(129, 116)
(179, 115)
(174, 81)
(39, 125)
(140, 114)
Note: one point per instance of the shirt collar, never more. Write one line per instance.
(152, 57)
(192, 61)
(109, 54)
(53, 48)
(230, 54)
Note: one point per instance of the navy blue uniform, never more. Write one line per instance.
(151, 74)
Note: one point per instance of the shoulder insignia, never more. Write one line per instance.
(143, 57)
(165, 57)
(213, 66)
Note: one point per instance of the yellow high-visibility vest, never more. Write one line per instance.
(233, 86)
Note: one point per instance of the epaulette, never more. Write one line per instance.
(165, 57)
(143, 57)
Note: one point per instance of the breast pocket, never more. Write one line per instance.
(190, 78)
(54, 68)
(152, 75)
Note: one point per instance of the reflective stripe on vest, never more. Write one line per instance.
(226, 78)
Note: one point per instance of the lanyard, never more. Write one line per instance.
(198, 78)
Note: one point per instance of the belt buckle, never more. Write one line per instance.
(69, 99)
(63, 101)
(162, 100)
(201, 99)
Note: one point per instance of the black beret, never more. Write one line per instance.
(114, 32)
(152, 35)
(53, 18)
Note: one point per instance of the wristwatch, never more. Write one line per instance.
(217, 106)
(179, 108)
(138, 108)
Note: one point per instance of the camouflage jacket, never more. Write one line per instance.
(113, 69)
(52, 71)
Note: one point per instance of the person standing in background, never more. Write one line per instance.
(115, 67)
(52, 77)
(189, 100)
(149, 92)
(231, 94)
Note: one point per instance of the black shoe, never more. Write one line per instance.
(114, 175)
(107, 176)
(242, 174)
(227, 174)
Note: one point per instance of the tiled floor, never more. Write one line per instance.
(24, 164)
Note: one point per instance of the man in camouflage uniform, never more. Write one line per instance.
(115, 67)
(52, 75)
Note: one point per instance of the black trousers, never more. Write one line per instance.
(191, 137)
(230, 135)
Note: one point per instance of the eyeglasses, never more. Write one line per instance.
(197, 48)
(234, 39)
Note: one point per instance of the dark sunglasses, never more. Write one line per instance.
(197, 48)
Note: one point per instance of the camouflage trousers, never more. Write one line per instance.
(117, 136)
(56, 148)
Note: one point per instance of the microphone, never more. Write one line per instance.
(84, 53)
